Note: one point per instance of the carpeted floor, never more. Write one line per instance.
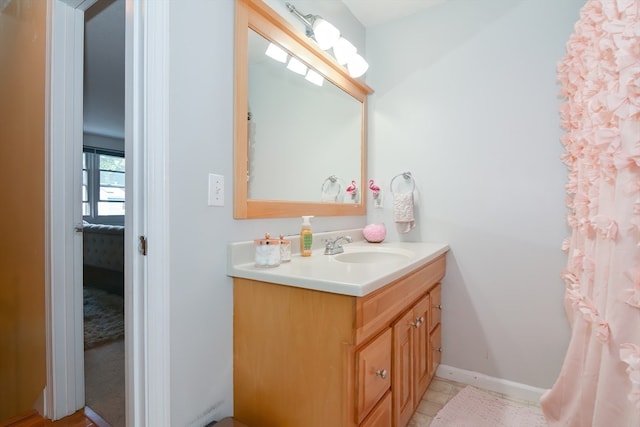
(103, 317)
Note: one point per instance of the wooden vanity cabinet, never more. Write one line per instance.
(411, 364)
(381, 416)
(316, 359)
(373, 373)
(435, 328)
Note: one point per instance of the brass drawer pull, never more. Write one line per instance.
(382, 373)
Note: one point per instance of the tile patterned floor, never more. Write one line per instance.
(440, 391)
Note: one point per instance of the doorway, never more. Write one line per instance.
(103, 203)
(146, 308)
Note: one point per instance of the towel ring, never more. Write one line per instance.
(407, 177)
(331, 180)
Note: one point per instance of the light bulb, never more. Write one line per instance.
(344, 51)
(325, 33)
(357, 66)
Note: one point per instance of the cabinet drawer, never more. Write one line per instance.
(436, 306)
(373, 375)
(381, 415)
(376, 310)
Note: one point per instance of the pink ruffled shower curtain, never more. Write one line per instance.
(599, 384)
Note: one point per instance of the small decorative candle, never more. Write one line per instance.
(285, 249)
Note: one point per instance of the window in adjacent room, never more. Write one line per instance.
(103, 192)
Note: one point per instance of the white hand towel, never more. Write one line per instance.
(328, 198)
(403, 212)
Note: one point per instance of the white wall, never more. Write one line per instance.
(466, 99)
(201, 139)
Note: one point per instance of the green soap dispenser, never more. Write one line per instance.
(306, 236)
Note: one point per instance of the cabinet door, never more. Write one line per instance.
(373, 373)
(403, 369)
(381, 415)
(436, 306)
(421, 349)
(436, 349)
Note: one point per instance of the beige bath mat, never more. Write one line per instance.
(475, 408)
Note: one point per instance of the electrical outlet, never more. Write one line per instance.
(216, 190)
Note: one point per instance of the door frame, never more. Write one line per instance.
(147, 340)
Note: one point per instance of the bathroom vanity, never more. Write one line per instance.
(329, 341)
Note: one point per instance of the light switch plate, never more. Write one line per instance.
(216, 190)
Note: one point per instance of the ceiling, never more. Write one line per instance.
(104, 69)
(375, 12)
(104, 55)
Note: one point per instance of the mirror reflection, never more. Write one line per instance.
(304, 133)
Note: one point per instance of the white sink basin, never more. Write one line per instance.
(374, 256)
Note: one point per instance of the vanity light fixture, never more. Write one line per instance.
(324, 33)
(344, 51)
(277, 53)
(357, 66)
(328, 36)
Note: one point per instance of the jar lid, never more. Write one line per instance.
(283, 240)
(267, 240)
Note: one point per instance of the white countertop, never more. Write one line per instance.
(326, 273)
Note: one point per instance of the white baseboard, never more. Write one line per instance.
(499, 385)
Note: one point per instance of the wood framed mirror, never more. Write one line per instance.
(298, 146)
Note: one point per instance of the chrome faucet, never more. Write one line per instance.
(333, 247)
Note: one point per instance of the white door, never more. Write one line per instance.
(146, 309)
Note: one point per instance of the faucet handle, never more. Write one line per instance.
(347, 239)
(333, 246)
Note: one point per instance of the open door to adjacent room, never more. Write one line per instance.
(103, 210)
